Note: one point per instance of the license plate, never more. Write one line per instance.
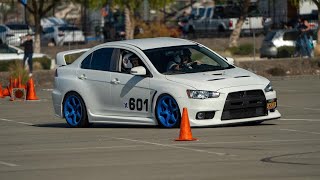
(271, 105)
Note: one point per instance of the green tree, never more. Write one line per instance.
(131, 6)
(38, 10)
(5, 9)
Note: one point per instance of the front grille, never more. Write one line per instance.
(244, 104)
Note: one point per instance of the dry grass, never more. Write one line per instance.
(17, 70)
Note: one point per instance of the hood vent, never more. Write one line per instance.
(216, 79)
(217, 74)
(241, 76)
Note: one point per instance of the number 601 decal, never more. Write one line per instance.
(138, 104)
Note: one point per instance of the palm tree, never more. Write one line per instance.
(38, 9)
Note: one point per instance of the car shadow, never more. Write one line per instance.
(96, 125)
(125, 126)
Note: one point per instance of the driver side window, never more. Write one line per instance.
(128, 60)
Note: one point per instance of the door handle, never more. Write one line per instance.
(82, 77)
(115, 81)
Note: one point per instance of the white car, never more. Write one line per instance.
(8, 52)
(60, 35)
(100, 87)
(5, 33)
(18, 31)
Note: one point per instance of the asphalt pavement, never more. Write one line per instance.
(34, 144)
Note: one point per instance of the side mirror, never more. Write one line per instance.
(230, 60)
(139, 71)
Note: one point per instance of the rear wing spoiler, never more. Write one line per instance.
(60, 58)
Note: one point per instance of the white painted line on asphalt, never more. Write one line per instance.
(47, 89)
(6, 120)
(18, 122)
(312, 109)
(176, 147)
(240, 142)
(306, 108)
(294, 130)
(72, 149)
(311, 120)
(8, 164)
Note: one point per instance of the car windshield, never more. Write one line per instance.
(185, 59)
(18, 26)
(68, 28)
(270, 35)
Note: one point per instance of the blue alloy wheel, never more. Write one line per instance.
(75, 111)
(168, 112)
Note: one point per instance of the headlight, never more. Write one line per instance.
(268, 88)
(201, 94)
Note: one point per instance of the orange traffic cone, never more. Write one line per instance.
(1, 93)
(15, 83)
(19, 82)
(10, 87)
(185, 130)
(5, 92)
(31, 92)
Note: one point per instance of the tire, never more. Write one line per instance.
(75, 111)
(221, 29)
(168, 112)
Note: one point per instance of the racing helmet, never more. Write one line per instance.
(126, 61)
(186, 52)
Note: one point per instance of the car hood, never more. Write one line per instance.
(216, 80)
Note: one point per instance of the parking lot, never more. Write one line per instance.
(36, 145)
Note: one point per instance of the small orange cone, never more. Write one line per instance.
(5, 92)
(15, 83)
(10, 87)
(1, 93)
(31, 92)
(185, 130)
(19, 82)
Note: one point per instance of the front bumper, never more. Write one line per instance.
(217, 105)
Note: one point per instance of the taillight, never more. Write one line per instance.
(230, 24)
(56, 73)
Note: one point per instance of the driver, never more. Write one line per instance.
(182, 61)
(129, 61)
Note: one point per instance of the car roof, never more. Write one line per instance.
(153, 43)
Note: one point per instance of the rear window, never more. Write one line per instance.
(68, 28)
(18, 26)
(269, 36)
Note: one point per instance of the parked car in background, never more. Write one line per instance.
(60, 35)
(281, 43)
(9, 52)
(210, 19)
(5, 32)
(18, 30)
